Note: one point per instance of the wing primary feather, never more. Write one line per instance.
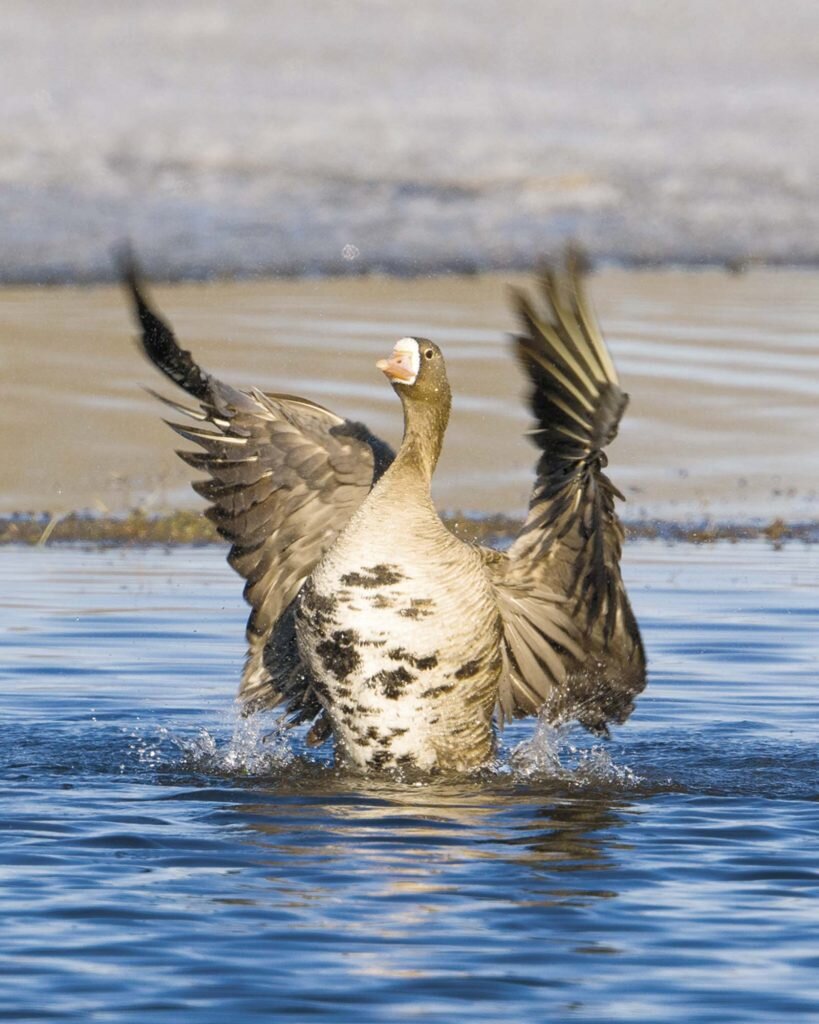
(571, 540)
(185, 410)
(560, 292)
(207, 438)
(577, 265)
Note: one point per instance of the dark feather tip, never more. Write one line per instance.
(157, 338)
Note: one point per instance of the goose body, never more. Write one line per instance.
(400, 624)
(369, 618)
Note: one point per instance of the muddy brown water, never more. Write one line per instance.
(723, 373)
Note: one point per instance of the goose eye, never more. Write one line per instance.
(429, 353)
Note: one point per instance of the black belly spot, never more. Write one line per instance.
(406, 761)
(321, 688)
(419, 607)
(373, 576)
(380, 759)
(468, 669)
(439, 691)
(318, 609)
(338, 653)
(399, 654)
(393, 682)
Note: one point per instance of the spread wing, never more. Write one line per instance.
(571, 541)
(540, 638)
(284, 476)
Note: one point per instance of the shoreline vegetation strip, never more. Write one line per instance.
(187, 526)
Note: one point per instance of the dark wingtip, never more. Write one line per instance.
(578, 262)
(518, 301)
(156, 337)
(126, 264)
(131, 279)
(572, 266)
(122, 253)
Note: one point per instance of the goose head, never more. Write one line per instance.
(417, 372)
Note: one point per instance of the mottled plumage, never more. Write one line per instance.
(368, 617)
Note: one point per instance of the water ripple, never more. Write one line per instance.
(164, 859)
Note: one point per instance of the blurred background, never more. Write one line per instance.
(259, 139)
(244, 137)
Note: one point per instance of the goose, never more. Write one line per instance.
(370, 620)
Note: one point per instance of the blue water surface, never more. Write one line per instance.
(163, 861)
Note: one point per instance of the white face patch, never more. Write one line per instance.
(408, 356)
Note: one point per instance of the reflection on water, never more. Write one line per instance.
(166, 861)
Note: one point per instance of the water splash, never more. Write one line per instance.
(257, 745)
(236, 745)
(260, 746)
(553, 752)
(146, 745)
